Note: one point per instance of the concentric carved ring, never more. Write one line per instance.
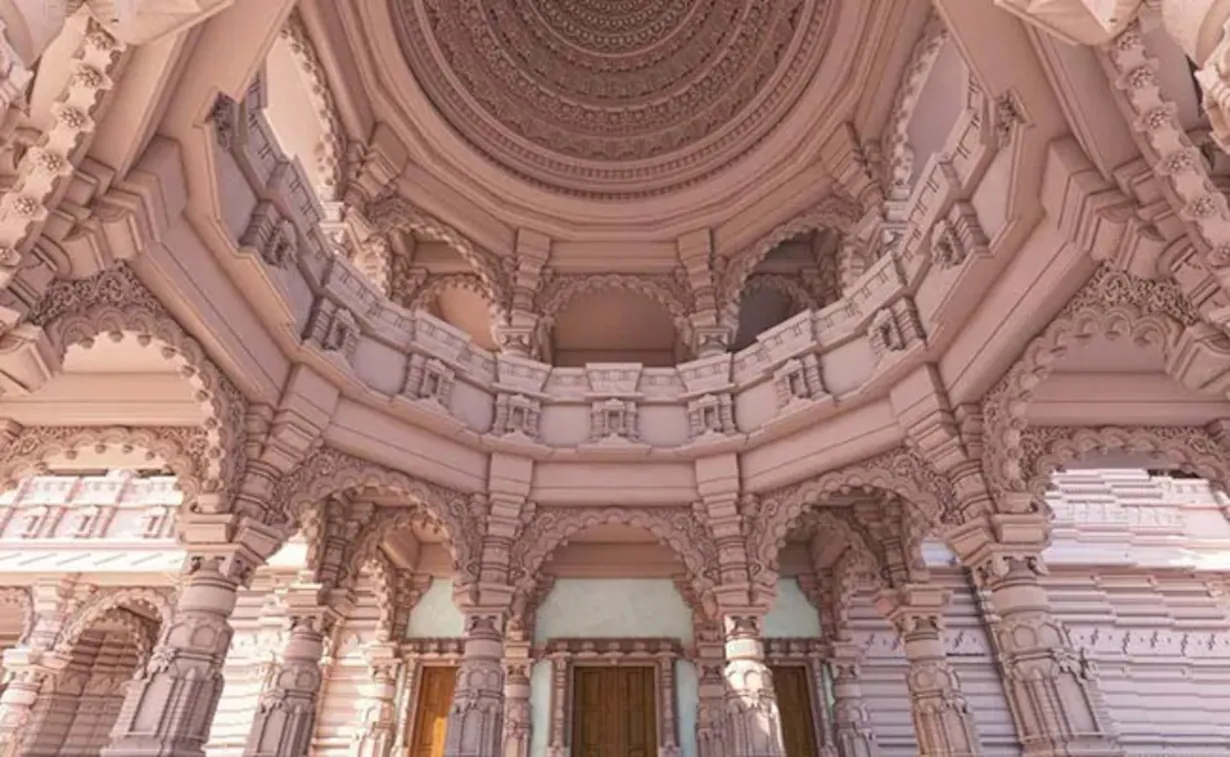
(630, 96)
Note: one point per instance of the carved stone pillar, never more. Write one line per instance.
(169, 708)
(753, 722)
(943, 723)
(475, 722)
(286, 714)
(28, 670)
(711, 705)
(850, 719)
(378, 726)
(517, 720)
(1050, 687)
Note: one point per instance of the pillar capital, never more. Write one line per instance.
(913, 605)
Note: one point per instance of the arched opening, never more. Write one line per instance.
(615, 325)
(611, 598)
(796, 275)
(77, 708)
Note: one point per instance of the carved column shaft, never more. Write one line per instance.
(1052, 690)
(169, 709)
(753, 722)
(378, 720)
(286, 715)
(943, 722)
(851, 721)
(475, 721)
(517, 718)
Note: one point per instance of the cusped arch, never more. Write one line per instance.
(861, 554)
(900, 473)
(1047, 449)
(395, 213)
(183, 449)
(329, 472)
(1114, 304)
(105, 603)
(835, 211)
(560, 291)
(896, 140)
(116, 305)
(426, 295)
(677, 528)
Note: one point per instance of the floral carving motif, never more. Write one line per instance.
(116, 304)
(675, 527)
(1113, 304)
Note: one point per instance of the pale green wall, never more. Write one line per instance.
(791, 615)
(435, 615)
(614, 607)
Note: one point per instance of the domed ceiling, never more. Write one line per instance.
(611, 98)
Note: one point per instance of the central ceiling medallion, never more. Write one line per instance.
(613, 98)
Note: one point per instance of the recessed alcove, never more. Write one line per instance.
(614, 326)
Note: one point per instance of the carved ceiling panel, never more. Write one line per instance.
(599, 97)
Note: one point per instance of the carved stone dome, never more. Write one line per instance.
(613, 97)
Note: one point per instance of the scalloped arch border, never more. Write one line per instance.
(182, 448)
(97, 607)
(1113, 304)
(116, 304)
(899, 472)
(677, 528)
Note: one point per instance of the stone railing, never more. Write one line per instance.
(71, 508)
(924, 246)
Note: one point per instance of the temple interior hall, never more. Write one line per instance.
(614, 378)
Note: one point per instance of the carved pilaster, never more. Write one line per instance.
(753, 724)
(475, 722)
(517, 721)
(377, 713)
(943, 722)
(169, 708)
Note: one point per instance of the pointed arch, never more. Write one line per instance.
(114, 303)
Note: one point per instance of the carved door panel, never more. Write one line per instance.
(793, 686)
(614, 712)
(436, 683)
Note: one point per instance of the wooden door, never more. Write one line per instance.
(436, 683)
(793, 686)
(614, 712)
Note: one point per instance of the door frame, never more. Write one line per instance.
(567, 654)
(418, 654)
(813, 655)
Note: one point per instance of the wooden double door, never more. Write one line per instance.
(435, 697)
(614, 712)
(792, 684)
